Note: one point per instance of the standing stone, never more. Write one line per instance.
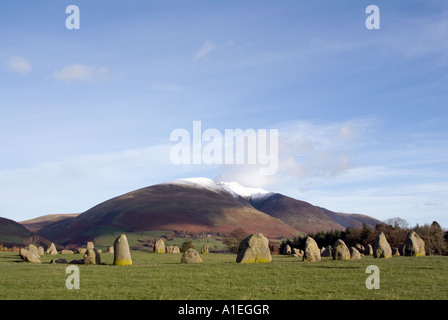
(30, 254)
(190, 256)
(52, 249)
(327, 252)
(254, 249)
(122, 254)
(311, 252)
(297, 253)
(176, 249)
(90, 245)
(23, 252)
(159, 246)
(110, 249)
(340, 251)
(287, 249)
(82, 250)
(381, 248)
(169, 249)
(354, 254)
(205, 248)
(368, 250)
(414, 245)
(40, 250)
(92, 257)
(65, 251)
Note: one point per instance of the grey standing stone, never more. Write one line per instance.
(254, 249)
(355, 254)
(340, 251)
(311, 252)
(160, 246)
(381, 248)
(190, 256)
(122, 253)
(414, 245)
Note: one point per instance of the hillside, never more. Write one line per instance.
(38, 223)
(298, 214)
(13, 233)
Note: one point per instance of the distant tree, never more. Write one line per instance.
(186, 245)
(434, 238)
(232, 241)
(398, 222)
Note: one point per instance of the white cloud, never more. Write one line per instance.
(76, 184)
(206, 48)
(19, 65)
(80, 72)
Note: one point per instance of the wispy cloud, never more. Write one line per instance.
(79, 72)
(19, 65)
(205, 50)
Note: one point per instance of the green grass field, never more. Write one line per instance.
(162, 276)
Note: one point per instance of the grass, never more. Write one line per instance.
(162, 277)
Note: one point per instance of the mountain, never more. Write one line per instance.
(354, 220)
(200, 205)
(298, 214)
(308, 218)
(38, 223)
(188, 204)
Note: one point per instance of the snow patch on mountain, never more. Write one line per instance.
(234, 188)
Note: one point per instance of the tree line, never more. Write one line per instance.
(395, 230)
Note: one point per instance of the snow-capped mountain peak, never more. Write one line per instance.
(233, 188)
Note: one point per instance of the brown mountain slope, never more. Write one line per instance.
(352, 219)
(167, 207)
(38, 223)
(298, 214)
(306, 217)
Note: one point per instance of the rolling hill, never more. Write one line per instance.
(38, 223)
(13, 233)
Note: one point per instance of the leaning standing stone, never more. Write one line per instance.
(122, 253)
(340, 251)
(190, 256)
(381, 248)
(312, 252)
(254, 249)
(32, 254)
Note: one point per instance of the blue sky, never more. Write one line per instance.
(86, 114)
